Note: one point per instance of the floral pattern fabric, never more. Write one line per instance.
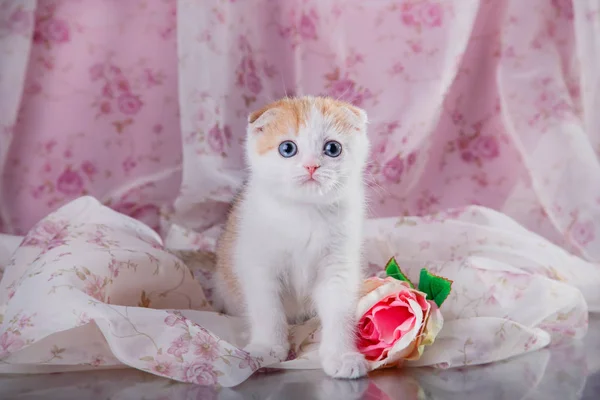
(485, 167)
(113, 295)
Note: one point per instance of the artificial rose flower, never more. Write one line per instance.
(395, 323)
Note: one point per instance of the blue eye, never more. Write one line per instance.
(332, 149)
(288, 149)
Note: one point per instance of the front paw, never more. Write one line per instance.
(345, 365)
(277, 351)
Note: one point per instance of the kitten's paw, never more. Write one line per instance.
(278, 351)
(345, 366)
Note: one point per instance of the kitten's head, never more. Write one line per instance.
(311, 148)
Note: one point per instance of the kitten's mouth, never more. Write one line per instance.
(309, 180)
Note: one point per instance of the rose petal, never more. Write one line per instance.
(406, 344)
(404, 327)
(368, 329)
(433, 327)
(372, 351)
(391, 287)
(387, 319)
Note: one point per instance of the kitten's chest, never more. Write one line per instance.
(307, 234)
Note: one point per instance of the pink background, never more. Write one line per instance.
(142, 104)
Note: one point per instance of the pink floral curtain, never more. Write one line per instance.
(88, 105)
(142, 104)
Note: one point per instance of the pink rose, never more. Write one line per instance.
(53, 30)
(200, 373)
(393, 169)
(129, 104)
(485, 147)
(69, 182)
(395, 322)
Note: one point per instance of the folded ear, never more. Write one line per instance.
(357, 115)
(258, 119)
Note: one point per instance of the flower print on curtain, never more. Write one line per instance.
(455, 120)
(16, 30)
(99, 108)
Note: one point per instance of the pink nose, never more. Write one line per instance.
(311, 169)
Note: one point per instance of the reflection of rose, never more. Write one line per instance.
(200, 373)
(395, 322)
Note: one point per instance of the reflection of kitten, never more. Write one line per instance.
(292, 243)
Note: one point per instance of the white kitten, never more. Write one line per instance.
(292, 243)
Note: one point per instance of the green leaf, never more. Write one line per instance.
(435, 287)
(393, 270)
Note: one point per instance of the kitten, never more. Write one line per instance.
(292, 243)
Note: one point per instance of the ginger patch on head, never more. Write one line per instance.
(270, 123)
(346, 117)
(287, 116)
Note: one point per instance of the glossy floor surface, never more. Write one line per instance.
(567, 372)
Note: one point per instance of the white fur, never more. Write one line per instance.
(298, 248)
